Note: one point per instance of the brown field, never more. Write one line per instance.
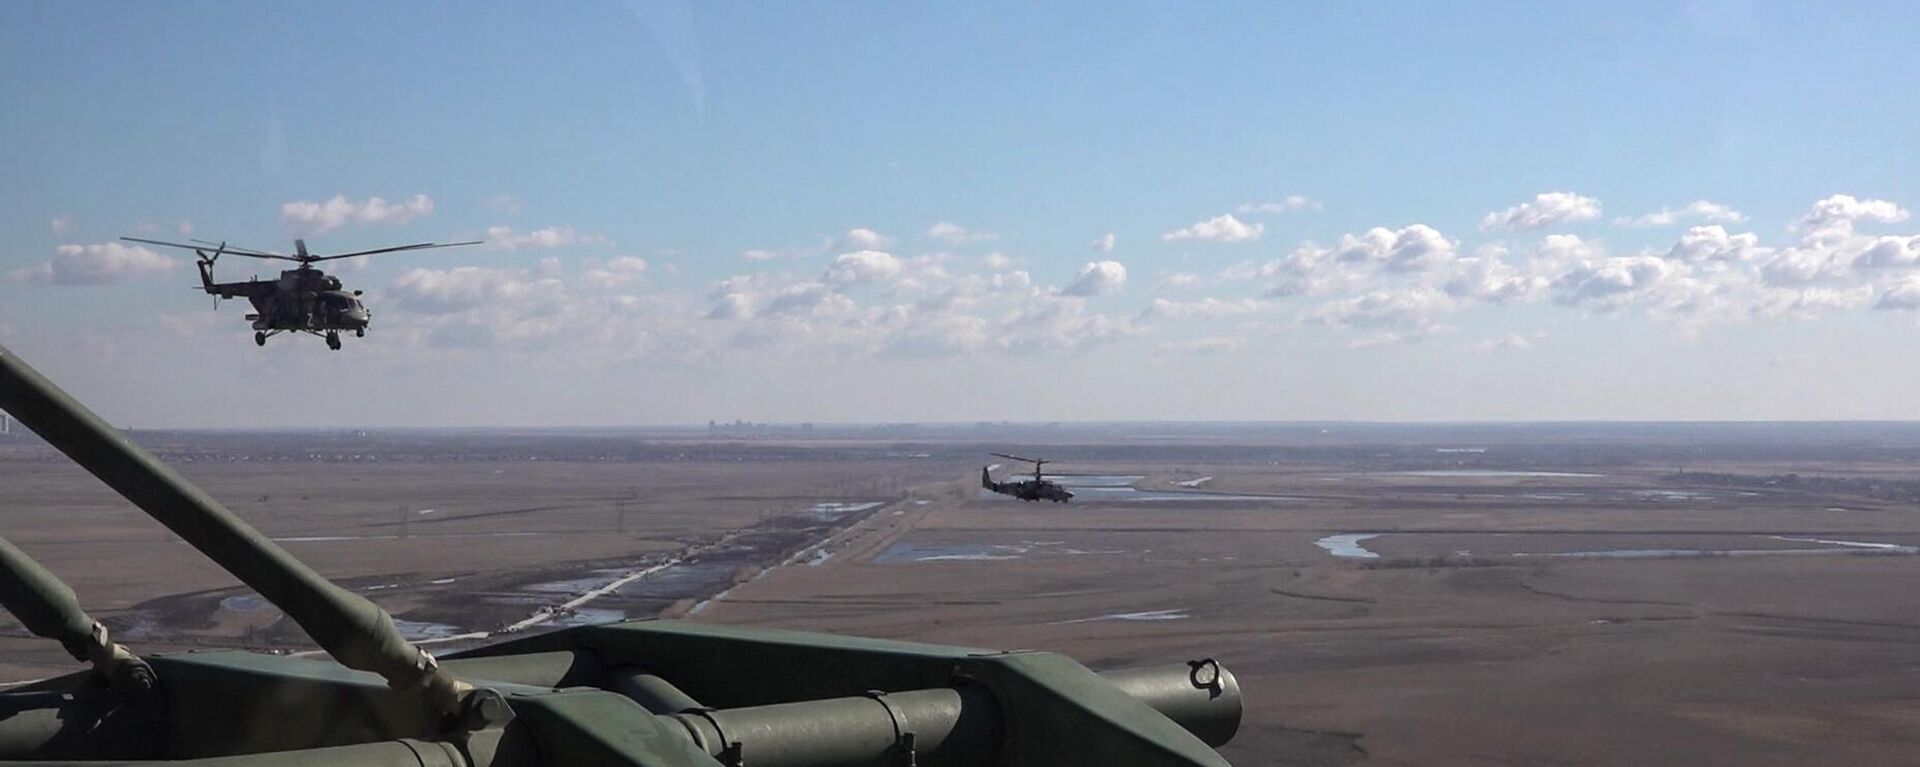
(1612, 613)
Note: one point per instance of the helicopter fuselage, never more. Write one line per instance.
(304, 300)
(1036, 489)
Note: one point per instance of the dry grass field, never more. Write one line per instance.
(1569, 598)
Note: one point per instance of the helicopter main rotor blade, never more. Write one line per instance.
(395, 249)
(204, 245)
(1017, 458)
(229, 251)
(237, 249)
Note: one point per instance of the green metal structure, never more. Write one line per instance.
(641, 693)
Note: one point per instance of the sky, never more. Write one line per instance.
(878, 212)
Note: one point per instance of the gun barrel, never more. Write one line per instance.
(354, 631)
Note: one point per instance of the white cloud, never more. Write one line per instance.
(1409, 249)
(1610, 280)
(1712, 243)
(310, 217)
(1098, 278)
(761, 255)
(1836, 215)
(1903, 295)
(505, 238)
(862, 267)
(1890, 253)
(860, 238)
(1221, 228)
(60, 223)
(957, 234)
(1289, 204)
(1485, 276)
(98, 264)
(1698, 210)
(1104, 243)
(1546, 209)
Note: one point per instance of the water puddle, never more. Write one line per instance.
(1347, 545)
(983, 552)
(1150, 615)
(1489, 473)
(837, 509)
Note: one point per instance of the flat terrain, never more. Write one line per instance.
(1652, 594)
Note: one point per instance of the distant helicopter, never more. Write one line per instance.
(303, 300)
(1037, 489)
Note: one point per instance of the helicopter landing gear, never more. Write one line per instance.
(359, 332)
(259, 338)
(333, 340)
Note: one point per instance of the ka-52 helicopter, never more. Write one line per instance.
(303, 300)
(1037, 489)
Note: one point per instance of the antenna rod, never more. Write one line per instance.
(356, 632)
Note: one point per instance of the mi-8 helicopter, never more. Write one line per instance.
(1037, 489)
(303, 300)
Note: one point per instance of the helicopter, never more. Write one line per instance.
(303, 300)
(1037, 489)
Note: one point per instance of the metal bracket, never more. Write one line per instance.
(730, 750)
(1205, 675)
(903, 740)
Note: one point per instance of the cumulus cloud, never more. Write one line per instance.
(1098, 278)
(860, 238)
(60, 224)
(1288, 204)
(1890, 253)
(98, 264)
(1698, 210)
(320, 217)
(1712, 243)
(1903, 295)
(505, 238)
(1546, 209)
(1837, 214)
(1608, 280)
(1486, 277)
(957, 234)
(1221, 228)
(1104, 243)
(1408, 249)
(863, 267)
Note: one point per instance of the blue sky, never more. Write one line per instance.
(716, 211)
